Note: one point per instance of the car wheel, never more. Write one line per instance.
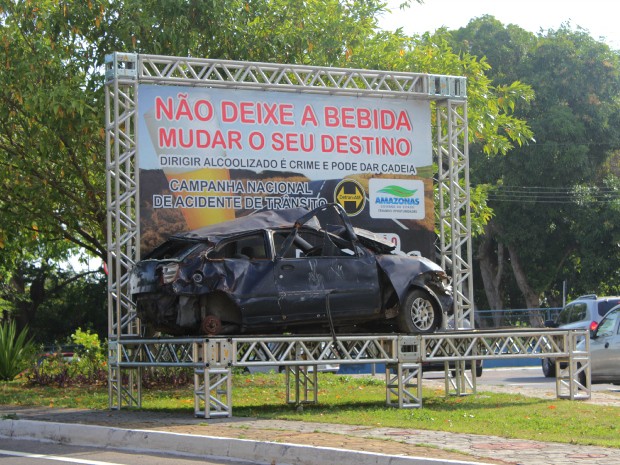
(478, 371)
(548, 367)
(418, 314)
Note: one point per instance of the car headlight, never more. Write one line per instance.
(442, 279)
(169, 272)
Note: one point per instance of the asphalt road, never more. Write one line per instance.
(531, 377)
(518, 378)
(22, 452)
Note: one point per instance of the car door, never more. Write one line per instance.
(244, 270)
(605, 348)
(315, 269)
(300, 278)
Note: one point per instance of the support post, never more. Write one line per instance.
(459, 380)
(573, 379)
(212, 378)
(403, 385)
(303, 386)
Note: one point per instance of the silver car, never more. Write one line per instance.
(585, 312)
(605, 349)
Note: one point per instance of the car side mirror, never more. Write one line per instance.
(551, 324)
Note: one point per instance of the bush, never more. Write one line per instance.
(86, 365)
(16, 351)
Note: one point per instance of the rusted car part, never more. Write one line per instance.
(289, 270)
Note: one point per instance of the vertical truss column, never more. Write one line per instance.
(403, 384)
(454, 205)
(303, 386)
(124, 384)
(459, 380)
(573, 380)
(212, 392)
(122, 213)
(212, 378)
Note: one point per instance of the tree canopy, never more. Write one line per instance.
(52, 137)
(555, 200)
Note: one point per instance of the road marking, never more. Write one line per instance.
(15, 453)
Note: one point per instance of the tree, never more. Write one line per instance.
(52, 136)
(549, 196)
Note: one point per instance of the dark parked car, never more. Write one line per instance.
(288, 270)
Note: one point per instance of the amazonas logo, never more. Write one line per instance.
(396, 198)
(398, 195)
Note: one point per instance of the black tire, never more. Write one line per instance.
(478, 371)
(548, 367)
(419, 314)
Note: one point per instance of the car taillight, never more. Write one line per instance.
(593, 326)
(169, 272)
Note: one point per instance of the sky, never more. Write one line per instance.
(598, 17)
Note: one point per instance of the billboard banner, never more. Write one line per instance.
(207, 155)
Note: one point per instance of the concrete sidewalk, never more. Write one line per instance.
(286, 442)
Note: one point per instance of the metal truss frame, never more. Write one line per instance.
(124, 71)
(213, 360)
(403, 385)
(455, 242)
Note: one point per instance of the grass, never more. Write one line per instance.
(361, 401)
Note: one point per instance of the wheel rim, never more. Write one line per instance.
(211, 325)
(422, 314)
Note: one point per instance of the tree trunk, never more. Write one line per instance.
(532, 298)
(491, 268)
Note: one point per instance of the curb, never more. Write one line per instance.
(200, 446)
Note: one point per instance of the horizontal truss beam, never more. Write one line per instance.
(213, 359)
(158, 69)
(313, 350)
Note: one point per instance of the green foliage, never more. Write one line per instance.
(16, 351)
(91, 355)
(554, 210)
(52, 137)
(86, 364)
(79, 302)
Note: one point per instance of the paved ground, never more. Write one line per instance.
(393, 441)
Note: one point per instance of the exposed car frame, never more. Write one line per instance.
(287, 271)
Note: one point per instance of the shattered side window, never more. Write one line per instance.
(311, 243)
(304, 241)
(251, 247)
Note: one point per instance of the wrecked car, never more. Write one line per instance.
(287, 271)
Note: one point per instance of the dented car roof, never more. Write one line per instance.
(266, 219)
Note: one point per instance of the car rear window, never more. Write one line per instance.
(606, 305)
